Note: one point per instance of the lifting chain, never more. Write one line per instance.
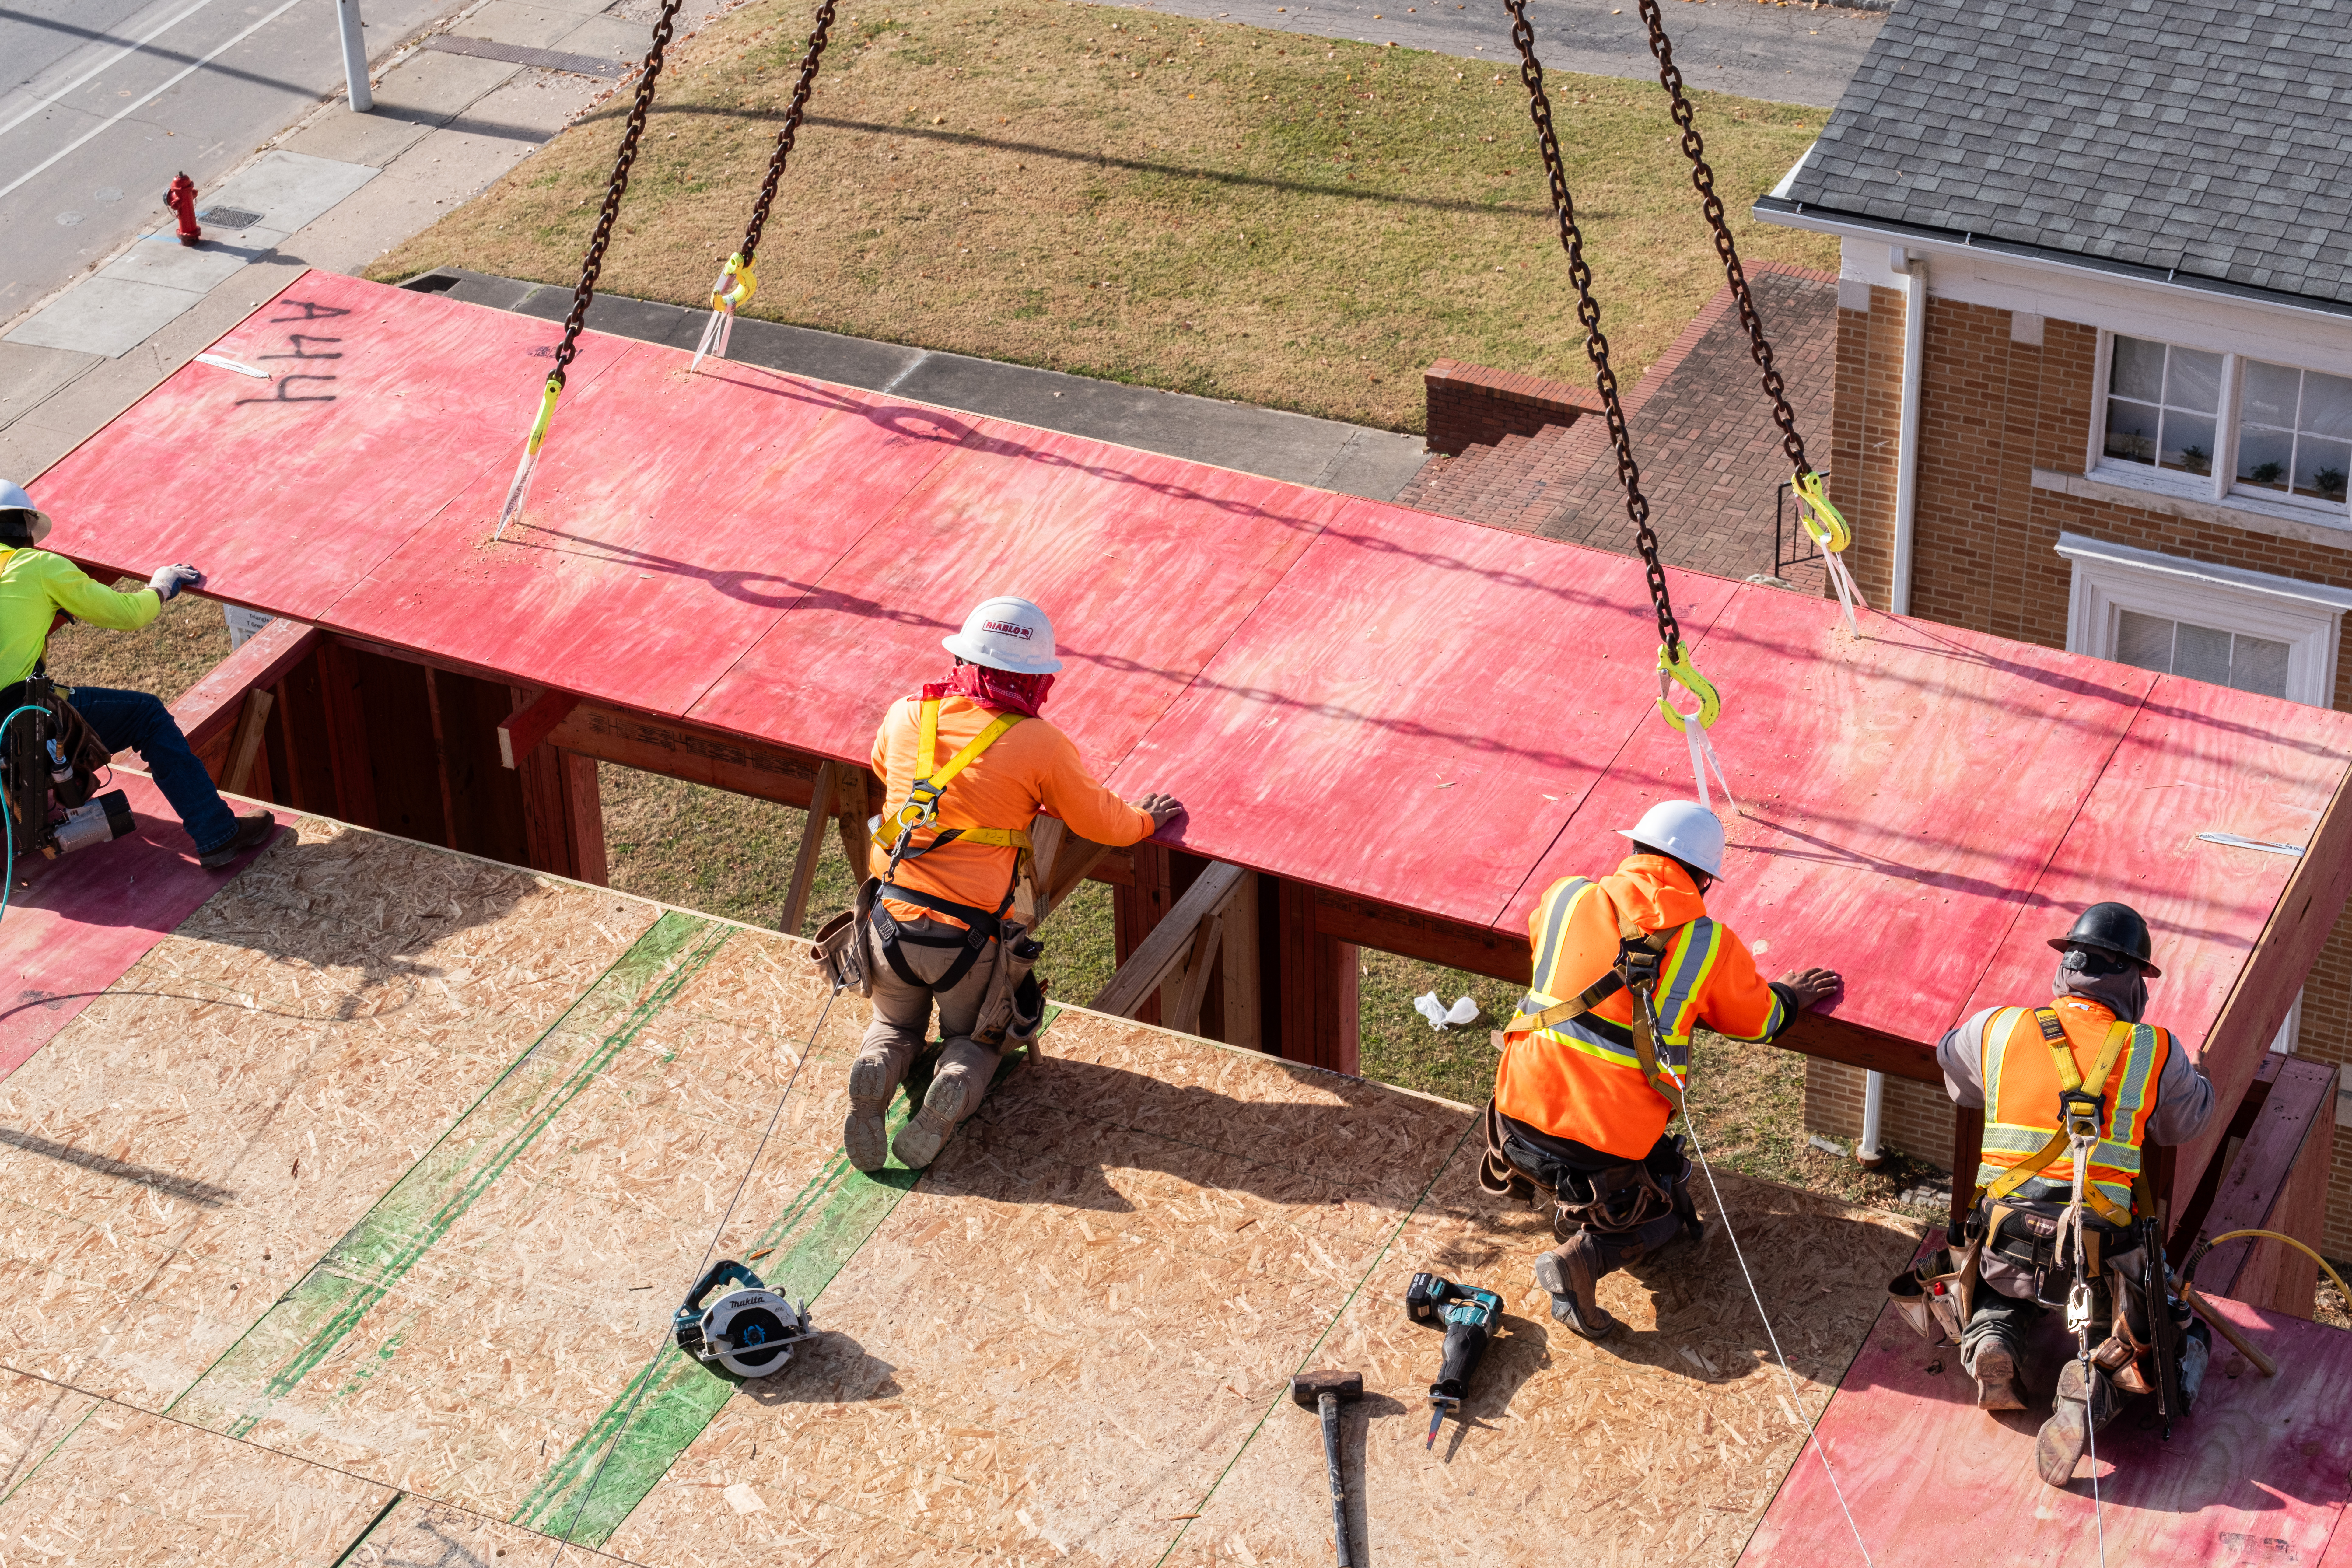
(1670, 77)
(1596, 345)
(792, 117)
(594, 262)
(518, 489)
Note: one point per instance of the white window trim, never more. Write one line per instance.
(2217, 487)
(2111, 578)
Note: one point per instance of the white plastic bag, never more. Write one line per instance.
(1463, 1010)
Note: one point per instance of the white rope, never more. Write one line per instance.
(715, 333)
(1703, 757)
(1849, 593)
(1821, 1450)
(2079, 1148)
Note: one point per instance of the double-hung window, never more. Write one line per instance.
(2226, 427)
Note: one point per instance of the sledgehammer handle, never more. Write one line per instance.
(1329, 1405)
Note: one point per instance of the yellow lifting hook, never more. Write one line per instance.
(1679, 668)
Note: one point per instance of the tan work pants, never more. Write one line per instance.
(902, 1017)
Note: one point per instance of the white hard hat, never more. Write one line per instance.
(1684, 829)
(13, 495)
(1007, 633)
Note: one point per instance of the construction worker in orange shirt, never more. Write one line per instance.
(967, 765)
(2085, 1057)
(1626, 966)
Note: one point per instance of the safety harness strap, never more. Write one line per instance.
(1636, 950)
(2073, 1085)
(921, 809)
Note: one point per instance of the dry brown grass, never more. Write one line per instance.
(165, 657)
(1200, 206)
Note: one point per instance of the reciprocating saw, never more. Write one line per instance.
(1469, 1315)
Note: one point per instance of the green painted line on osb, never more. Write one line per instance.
(674, 1397)
(306, 1326)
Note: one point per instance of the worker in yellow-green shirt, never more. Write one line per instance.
(35, 586)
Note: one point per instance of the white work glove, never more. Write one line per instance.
(169, 580)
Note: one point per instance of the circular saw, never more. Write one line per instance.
(749, 1331)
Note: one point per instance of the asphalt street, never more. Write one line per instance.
(104, 100)
(1791, 53)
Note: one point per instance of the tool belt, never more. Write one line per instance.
(1616, 1202)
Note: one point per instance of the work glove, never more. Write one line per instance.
(169, 580)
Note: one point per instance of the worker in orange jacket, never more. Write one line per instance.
(967, 765)
(2014, 1257)
(1586, 1088)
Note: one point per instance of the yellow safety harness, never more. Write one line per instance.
(920, 813)
(1636, 969)
(2080, 1109)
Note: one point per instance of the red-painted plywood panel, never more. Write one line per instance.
(2257, 1474)
(673, 519)
(1418, 709)
(1146, 563)
(2197, 759)
(88, 917)
(1898, 795)
(288, 491)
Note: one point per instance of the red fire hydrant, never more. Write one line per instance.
(182, 199)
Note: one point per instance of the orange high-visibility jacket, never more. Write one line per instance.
(1581, 1080)
(2021, 1079)
(1032, 766)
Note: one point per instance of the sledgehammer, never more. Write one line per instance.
(1321, 1392)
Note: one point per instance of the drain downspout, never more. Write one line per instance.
(1913, 272)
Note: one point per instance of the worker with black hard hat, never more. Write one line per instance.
(2088, 1050)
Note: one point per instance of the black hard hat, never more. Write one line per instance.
(2111, 927)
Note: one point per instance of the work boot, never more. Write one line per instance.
(1996, 1375)
(1567, 1273)
(254, 830)
(2073, 1418)
(965, 1069)
(863, 1135)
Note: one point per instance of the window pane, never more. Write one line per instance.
(2257, 664)
(2143, 640)
(2193, 381)
(2188, 442)
(2320, 466)
(2270, 394)
(2262, 457)
(2326, 406)
(2201, 653)
(2131, 431)
(2139, 370)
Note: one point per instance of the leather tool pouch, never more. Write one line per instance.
(1948, 1282)
(1016, 955)
(845, 947)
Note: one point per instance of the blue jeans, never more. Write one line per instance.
(140, 721)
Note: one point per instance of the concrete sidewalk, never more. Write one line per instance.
(335, 191)
(1296, 448)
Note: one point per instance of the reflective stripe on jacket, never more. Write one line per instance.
(1581, 1080)
(2021, 1086)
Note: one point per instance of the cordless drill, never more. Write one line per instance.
(1469, 1315)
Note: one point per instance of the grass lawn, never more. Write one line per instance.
(1202, 206)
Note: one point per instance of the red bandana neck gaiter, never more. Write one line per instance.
(1022, 694)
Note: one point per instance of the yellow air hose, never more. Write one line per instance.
(2229, 1331)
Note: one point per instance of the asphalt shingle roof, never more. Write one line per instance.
(2214, 139)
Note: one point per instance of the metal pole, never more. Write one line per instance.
(355, 64)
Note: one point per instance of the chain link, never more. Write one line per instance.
(792, 117)
(1587, 311)
(1670, 77)
(594, 262)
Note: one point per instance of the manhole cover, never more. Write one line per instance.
(228, 217)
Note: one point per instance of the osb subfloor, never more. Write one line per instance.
(345, 1227)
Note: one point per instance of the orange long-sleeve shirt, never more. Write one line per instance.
(1031, 767)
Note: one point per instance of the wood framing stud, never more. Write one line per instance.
(1171, 943)
(803, 877)
(522, 733)
(253, 722)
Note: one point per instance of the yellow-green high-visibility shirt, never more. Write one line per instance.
(35, 586)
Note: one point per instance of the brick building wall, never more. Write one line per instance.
(2003, 395)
